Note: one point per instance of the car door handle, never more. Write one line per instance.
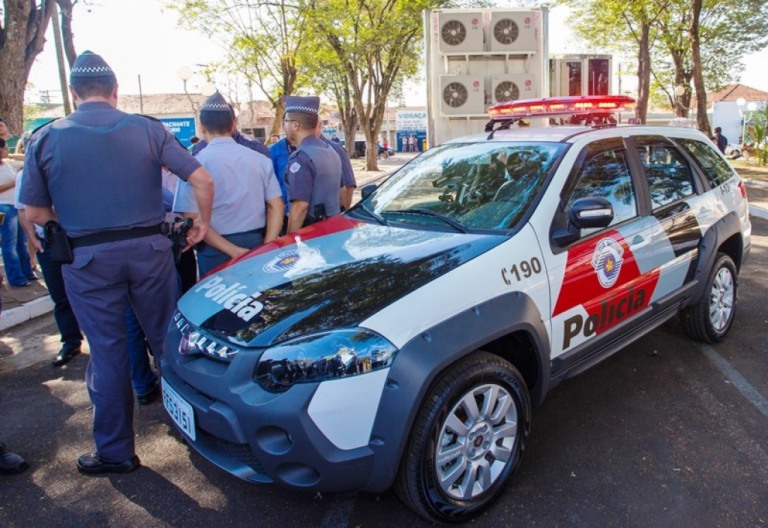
(638, 243)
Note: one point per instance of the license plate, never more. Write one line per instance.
(180, 410)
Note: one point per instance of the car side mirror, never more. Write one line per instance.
(591, 212)
(366, 191)
(585, 213)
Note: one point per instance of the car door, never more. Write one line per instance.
(609, 274)
(672, 187)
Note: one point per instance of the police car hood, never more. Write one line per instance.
(332, 275)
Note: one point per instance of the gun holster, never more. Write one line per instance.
(57, 242)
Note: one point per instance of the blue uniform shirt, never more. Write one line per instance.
(101, 169)
(347, 174)
(280, 152)
(314, 176)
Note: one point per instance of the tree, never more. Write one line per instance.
(22, 37)
(728, 30)
(702, 121)
(622, 25)
(261, 38)
(376, 42)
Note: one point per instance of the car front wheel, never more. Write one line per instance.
(710, 319)
(467, 441)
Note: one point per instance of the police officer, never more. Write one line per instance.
(240, 139)
(100, 169)
(313, 174)
(348, 182)
(248, 208)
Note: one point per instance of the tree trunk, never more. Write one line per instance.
(66, 7)
(702, 120)
(277, 124)
(643, 74)
(21, 41)
(60, 61)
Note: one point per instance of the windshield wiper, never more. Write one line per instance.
(458, 226)
(373, 214)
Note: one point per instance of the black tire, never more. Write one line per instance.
(486, 380)
(710, 319)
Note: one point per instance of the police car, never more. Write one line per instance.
(405, 342)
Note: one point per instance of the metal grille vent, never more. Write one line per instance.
(454, 32)
(506, 31)
(455, 95)
(506, 91)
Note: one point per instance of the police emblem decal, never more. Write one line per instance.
(283, 262)
(295, 167)
(607, 260)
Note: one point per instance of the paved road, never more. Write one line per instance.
(665, 433)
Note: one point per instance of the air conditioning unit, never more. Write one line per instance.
(513, 31)
(514, 86)
(462, 95)
(461, 32)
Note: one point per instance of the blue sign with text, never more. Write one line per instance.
(181, 127)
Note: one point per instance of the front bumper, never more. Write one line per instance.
(257, 435)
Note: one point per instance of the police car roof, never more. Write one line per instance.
(572, 133)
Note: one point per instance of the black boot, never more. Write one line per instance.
(10, 463)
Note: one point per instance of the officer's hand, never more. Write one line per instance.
(238, 252)
(196, 233)
(36, 243)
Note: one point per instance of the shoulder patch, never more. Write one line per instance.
(295, 167)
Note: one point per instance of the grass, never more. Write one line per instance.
(750, 169)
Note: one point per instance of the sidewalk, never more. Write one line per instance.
(22, 304)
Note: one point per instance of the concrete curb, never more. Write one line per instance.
(25, 312)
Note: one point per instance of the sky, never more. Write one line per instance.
(141, 40)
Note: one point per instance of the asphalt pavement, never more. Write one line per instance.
(667, 432)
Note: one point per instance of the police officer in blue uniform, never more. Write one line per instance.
(313, 174)
(348, 182)
(100, 170)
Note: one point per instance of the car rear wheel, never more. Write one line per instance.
(467, 441)
(710, 319)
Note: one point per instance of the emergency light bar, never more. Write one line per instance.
(553, 106)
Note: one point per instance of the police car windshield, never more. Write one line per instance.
(487, 185)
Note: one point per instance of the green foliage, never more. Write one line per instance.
(757, 134)
(728, 30)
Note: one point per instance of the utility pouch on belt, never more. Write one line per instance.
(57, 242)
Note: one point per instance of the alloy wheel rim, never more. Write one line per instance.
(721, 299)
(476, 441)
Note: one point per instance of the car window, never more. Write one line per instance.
(668, 174)
(716, 168)
(486, 185)
(606, 175)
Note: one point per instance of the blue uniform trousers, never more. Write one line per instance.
(209, 258)
(143, 378)
(62, 311)
(101, 283)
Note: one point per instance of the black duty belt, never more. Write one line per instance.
(114, 235)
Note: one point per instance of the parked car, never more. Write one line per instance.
(360, 148)
(405, 342)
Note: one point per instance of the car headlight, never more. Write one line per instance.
(320, 357)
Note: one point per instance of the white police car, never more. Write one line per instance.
(405, 342)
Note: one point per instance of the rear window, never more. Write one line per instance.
(716, 168)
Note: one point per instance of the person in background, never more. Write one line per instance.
(274, 138)
(248, 206)
(13, 241)
(720, 139)
(11, 140)
(120, 258)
